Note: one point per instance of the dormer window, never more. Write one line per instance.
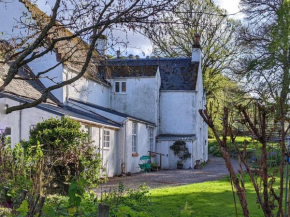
(120, 86)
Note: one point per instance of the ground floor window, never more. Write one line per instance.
(134, 138)
(106, 139)
(151, 138)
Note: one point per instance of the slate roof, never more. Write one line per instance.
(66, 111)
(76, 48)
(31, 89)
(176, 73)
(111, 111)
(175, 137)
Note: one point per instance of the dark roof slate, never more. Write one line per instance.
(176, 73)
(175, 137)
(66, 110)
(111, 111)
(31, 89)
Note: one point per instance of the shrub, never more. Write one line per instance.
(66, 156)
(57, 153)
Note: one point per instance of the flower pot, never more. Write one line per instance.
(179, 166)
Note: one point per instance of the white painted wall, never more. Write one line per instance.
(177, 112)
(140, 99)
(45, 62)
(29, 117)
(109, 155)
(169, 161)
(201, 126)
(143, 146)
(87, 90)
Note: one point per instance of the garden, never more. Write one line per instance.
(55, 173)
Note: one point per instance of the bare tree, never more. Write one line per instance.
(263, 125)
(218, 40)
(73, 30)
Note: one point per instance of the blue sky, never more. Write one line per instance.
(140, 44)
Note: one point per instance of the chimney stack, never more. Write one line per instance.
(196, 49)
(101, 45)
(118, 54)
(196, 40)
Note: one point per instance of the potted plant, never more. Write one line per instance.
(154, 167)
(179, 165)
(179, 149)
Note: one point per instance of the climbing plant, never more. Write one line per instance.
(179, 149)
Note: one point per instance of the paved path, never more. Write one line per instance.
(214, 170)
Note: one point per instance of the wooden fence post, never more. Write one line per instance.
(103, 210)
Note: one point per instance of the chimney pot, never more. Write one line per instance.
(118, 54)
(196, 40)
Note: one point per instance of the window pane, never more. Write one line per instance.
(134, 129)
(151, 132)
(151, 144)
(134, 143)
(106, 138)
(117, 86)
(123, 87)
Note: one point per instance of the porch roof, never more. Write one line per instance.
(67, 111)
(175, 137)
(111, 111)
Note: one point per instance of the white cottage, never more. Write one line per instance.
(129, 106)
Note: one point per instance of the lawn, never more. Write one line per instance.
(209, 199)
(212, 199)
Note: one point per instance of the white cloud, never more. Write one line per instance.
(232, 7)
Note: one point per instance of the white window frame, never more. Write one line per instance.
(151, 138)
(32, 127)
(106, 139)
(89, 131)
(134, 137)
(120, 87)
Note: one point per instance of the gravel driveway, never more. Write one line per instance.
(214, 170)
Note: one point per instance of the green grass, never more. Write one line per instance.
(239, 140)
(209, 199)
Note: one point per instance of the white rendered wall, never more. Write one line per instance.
(45, 62)
(88, 91)
(29, 117)
(201, 126)
(169, 161)
(132, 163)
(140, 99)
(109, 155)
(177, 112)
